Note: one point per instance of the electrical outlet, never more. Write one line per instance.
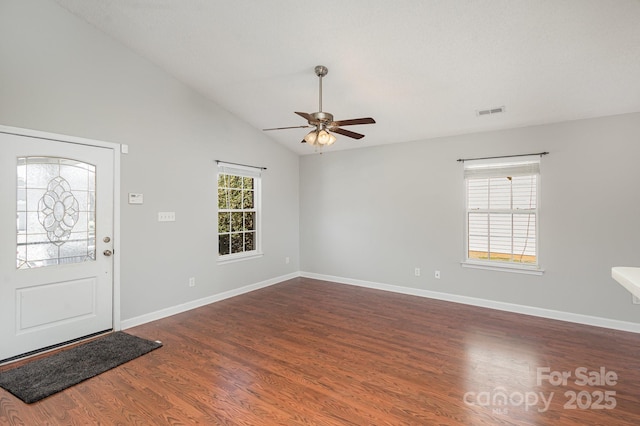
(437, 275)
(192, 282)
(286, 260)
(417, 272)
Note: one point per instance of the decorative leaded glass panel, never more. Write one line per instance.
(55, 211)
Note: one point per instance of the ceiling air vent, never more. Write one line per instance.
(490, 111)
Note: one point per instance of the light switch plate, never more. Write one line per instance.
(166, 216)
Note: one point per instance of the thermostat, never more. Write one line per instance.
(135, 198)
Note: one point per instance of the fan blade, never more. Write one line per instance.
(354, 121)
(284, 128)
(344, 132)
(305, 115)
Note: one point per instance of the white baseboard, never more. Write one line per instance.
(485, 303)
(502, 306)
(173, 310)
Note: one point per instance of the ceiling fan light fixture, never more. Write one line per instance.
(325, 138)
(311, 137)
(332, 139)
(319, 138)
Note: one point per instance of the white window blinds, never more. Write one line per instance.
(502, 210)
(238, 169)
(520, 166)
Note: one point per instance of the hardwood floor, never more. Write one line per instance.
(313, 352)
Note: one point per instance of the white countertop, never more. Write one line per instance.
(628, 277)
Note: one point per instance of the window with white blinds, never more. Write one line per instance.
(502, 211)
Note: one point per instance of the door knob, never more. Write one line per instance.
(107, 252)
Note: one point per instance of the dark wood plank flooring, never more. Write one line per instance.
(307, 352)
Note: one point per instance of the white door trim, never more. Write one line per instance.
(116, 148)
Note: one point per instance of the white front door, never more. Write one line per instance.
(56, 239)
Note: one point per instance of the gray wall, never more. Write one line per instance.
(375, 214)
(58, 74)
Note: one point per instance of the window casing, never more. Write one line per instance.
(501, 217)
(239, 196)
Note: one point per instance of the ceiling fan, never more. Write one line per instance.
(322, 122)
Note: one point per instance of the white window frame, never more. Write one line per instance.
(502, 167)
(256, 174)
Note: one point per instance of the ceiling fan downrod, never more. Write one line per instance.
(321, 71)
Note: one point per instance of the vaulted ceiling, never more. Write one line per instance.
(421, 68)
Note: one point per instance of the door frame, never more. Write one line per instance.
(116, 150)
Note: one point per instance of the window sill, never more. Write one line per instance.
(517, 269)
(233, 258)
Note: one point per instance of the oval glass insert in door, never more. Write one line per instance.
(56, 212)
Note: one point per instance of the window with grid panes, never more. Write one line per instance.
(502, 212)
(238, 211)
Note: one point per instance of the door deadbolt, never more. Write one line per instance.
(106, 239)
(107, 252)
